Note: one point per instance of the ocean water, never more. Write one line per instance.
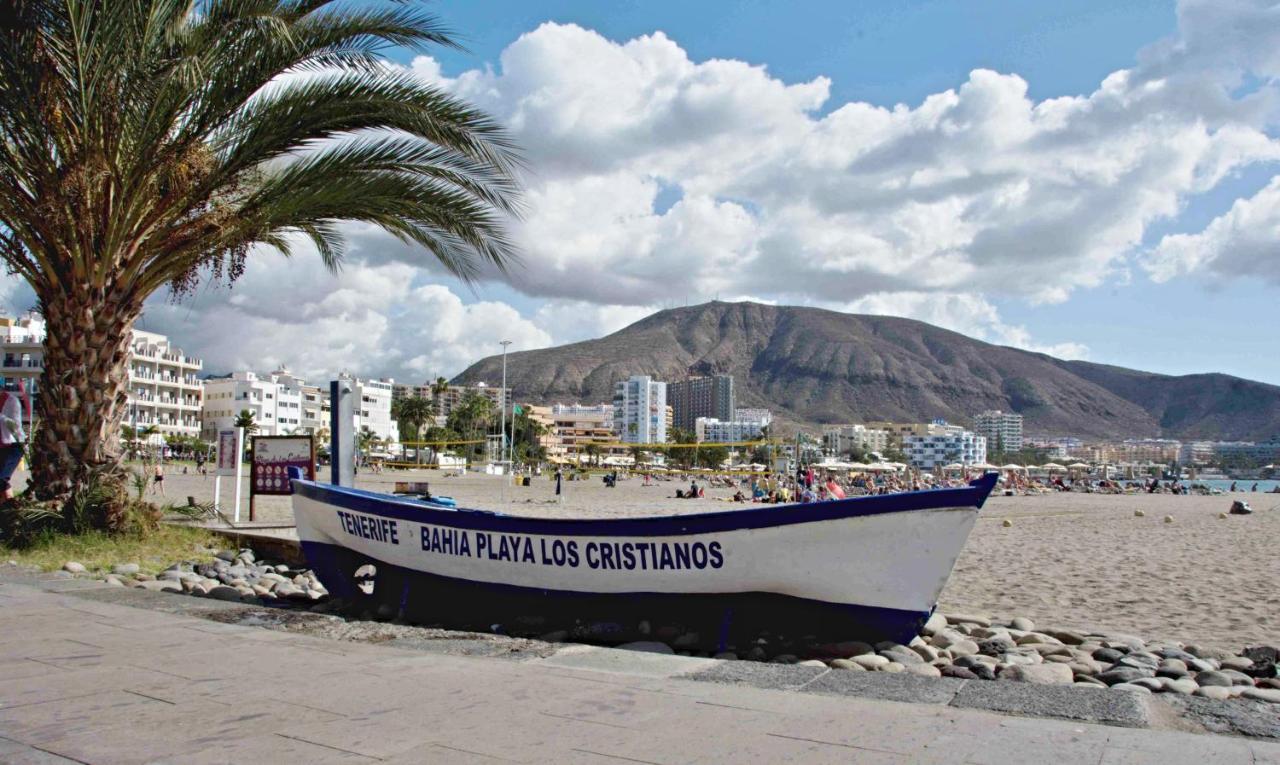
(1242, 486)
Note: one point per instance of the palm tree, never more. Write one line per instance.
(438, 389)
(411, 413)
(245, 420)
(154, 143)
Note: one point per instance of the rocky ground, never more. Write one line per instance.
(965, 646)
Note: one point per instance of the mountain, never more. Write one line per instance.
(814, 366)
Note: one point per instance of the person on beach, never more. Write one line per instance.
(157, 481)
(12, 438)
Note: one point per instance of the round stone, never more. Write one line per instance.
(1006, 523)
(893, 667)
(1139, 514)
(1214, 678)
(1269, 695)
(1216, 692)
(812, 663)
(1168, 519)
(870, 661)
(848, 664)
(923, 670)
(1039, 674)
(1022, 623)
(126, 569)
(1131, 688)
(74, 567)
(961, 673)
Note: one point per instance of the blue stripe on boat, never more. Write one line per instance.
(753, 517)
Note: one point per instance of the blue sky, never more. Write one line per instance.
(1089, 179)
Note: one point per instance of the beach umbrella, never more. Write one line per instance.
(1011, 466)
(1053, 466)
(1074, 466)
(984, 466)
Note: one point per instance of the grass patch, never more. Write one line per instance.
(154, 552)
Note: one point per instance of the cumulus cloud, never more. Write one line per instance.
(1244, 241)
(655, 179)
(965, 313)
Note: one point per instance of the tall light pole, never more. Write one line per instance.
(502, 447)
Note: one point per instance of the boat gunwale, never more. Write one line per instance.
(765, 516)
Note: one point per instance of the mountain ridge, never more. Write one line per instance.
(815, 366)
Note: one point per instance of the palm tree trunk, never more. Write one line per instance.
(84, 391)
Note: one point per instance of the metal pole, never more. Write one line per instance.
(502, 447)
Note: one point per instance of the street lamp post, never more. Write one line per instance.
(502, 447)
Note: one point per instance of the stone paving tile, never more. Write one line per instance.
(378, 738)
(886, 686)
(774, 676)
(1086, 704)
(267, 748)
(631, 662)
(1176, 749)
(1014, 744)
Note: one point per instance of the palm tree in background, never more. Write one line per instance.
(154, 143)
(411, 413)
(245, 420)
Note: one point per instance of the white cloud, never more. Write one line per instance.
(656, 180)
(1244, 241)
(965, 313)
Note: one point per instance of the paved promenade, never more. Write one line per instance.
(87, 679)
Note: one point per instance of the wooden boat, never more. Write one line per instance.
(867, 568)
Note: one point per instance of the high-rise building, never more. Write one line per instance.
(701, 397)
(574, 426)
(640, 410)
(1003, 430)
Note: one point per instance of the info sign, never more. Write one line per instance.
(228, 452)
(272, 458)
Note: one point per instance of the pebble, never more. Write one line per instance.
(1006, 523)
(1121, 675)
(1216, 692)
(847, 664)
(1086, 680)
(1240, 663)
(1214, 678)
(1222, 516)
(126, 569)
(1039, 674)
(981, 621)
(870, 661)
(223, 592)
(1022, 623)
(1185, 686)
(812, 663)
(935, 624)
(962, 673)
(113, 580)
(923, 670)
(904, 656)
(73, 567)
(1168, 519)
(893, 667)
(1269, 695)
(1139, 514)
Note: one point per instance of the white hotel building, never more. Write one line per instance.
(1003, 430)
(276, 406)
(164, 387)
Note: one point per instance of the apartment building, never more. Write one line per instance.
(711, 430)
(452, 396)
(839, 440)
(640, 410)
(701, 397)
(274, 400)
(1003, 430)
(944, 444)
(165, 389)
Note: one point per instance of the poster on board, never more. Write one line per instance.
(228, 452)
(272, 458)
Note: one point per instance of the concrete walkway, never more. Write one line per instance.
(90, 681)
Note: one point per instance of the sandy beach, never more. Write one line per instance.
(1068, 560)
